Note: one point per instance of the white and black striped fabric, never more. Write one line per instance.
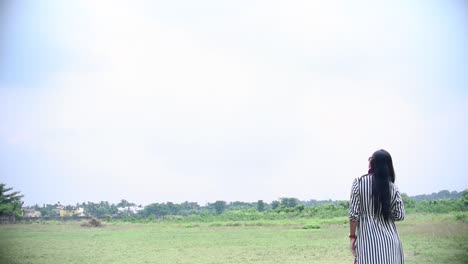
(377, 240)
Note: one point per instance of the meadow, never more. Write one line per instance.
(427, 238)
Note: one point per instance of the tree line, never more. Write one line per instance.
(443, 201)
(285, 205)
(444, 194)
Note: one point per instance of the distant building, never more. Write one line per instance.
(31, 212)
(58, 208)
(131, 210)
(73, 212)
(79, 211)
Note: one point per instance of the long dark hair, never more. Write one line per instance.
(382, 170)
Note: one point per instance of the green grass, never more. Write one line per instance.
(426, 239)
(435, 239)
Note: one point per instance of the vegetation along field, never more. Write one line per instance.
(427, 238)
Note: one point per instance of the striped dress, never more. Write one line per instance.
(377, 240)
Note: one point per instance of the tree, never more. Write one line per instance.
(172, 208)
(156, 209)
(10, 202)
(300, 208)
(113, 209)
(220, 206)
(48, 210)
(125, 204)
(407, 201)
(343, 204)
(275, 204)
(260, 206)
(187, 208)
(289, 202)
(465, 198)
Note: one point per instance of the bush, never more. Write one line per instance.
(93, 222)
(311, 227)
(191, 225)
(462, 217)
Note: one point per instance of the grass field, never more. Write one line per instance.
(426, 239)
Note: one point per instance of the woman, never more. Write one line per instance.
(374, 206)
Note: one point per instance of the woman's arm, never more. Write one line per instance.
(352, 236)
(398, 208)
(354, 209)
(352, 229)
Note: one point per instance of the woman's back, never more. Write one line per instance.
(363, 188)
(375, 205)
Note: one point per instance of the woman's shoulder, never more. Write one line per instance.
(364, 177)
(360, 179)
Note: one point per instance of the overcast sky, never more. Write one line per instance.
(155, 101)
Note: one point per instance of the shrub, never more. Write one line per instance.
(311, 227)
(461, 217)
(191, 225)
(93, 222)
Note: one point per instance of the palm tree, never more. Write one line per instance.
(10, 203)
